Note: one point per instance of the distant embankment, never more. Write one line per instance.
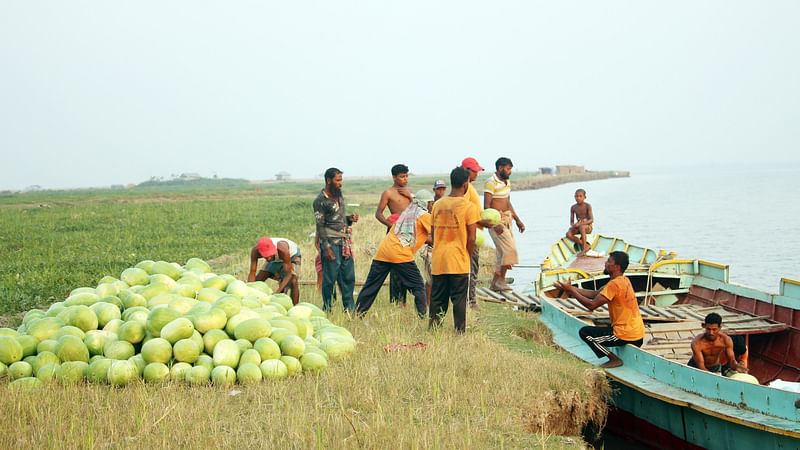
(545, 181)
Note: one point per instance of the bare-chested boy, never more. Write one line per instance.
(711, 347)
(580, 221)
(397, 198)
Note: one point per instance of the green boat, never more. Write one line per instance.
(658, 400)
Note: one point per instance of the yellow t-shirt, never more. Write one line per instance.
(626, 320)
(497, 187)
(451, 215)
(474, 198)
(392, 251)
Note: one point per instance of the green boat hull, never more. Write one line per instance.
(699, 420)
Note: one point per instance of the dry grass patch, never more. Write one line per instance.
(459, 392)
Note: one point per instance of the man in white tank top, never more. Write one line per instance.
(282, 263)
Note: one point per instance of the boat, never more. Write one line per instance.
(658, 400)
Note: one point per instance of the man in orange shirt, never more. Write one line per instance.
(455, 220)
(626, 327)
(396, 256)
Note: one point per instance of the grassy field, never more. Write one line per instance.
(502, 385)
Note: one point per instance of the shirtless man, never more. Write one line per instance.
(497, 195)
(397, 198)
(708, 348)
(581, 219)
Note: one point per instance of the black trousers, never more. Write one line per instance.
(406, 274)
(447, 288)
(397, 292)
(599, 339)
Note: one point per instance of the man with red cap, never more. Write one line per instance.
(282, 263)
(471, 164)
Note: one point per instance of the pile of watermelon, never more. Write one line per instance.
(161, 322)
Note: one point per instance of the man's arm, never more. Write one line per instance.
(589, 299)
(322, 231)
(283, 252)
(487, 199)
(590, 216)
(384, 201)
(572, 215)
(730, 354)
(697, 355)
(251, 276)
(520, 225)
(471, 238)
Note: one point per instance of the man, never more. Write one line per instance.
(712, 347)
(396, 198)
(497, 195)
(472, 166)
(626, 327)
(454, 223)
(334, 232)
(439, 188)
(396, 256)
(282, 262)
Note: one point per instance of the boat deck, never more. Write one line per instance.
(669, 329)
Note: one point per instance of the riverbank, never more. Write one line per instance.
(544, 181)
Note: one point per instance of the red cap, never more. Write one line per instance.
(266, 247)
(471, 164)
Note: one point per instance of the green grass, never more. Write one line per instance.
(502, 385)
(460, 392)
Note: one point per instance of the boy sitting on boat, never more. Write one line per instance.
(714, 350)
(580, 222)
(627, 326)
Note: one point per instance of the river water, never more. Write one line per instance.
(742, 215)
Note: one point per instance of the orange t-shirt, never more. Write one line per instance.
(392, 251)
(626, 319)
(451, 215)
(474, 198)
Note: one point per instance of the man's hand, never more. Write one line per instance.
(520, 226)
(405, 192)
(354, 217)
(499, 229)
(329, 254)
(566, 287)
(485, 223)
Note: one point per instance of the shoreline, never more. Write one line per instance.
(546, 181)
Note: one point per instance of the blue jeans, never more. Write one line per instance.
(341, 270)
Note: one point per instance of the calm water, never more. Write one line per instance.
(746, 216)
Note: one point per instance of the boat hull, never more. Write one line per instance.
(664, 395)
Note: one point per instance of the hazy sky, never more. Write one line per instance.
(99, 93)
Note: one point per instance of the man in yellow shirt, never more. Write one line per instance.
(626, 327)
(497, 195)
(454, 223)
(396, 256)
(471, 164)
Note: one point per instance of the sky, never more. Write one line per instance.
(102, 93)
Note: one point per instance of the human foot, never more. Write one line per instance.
(613, 361)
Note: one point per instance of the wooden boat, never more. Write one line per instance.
(658, 399)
